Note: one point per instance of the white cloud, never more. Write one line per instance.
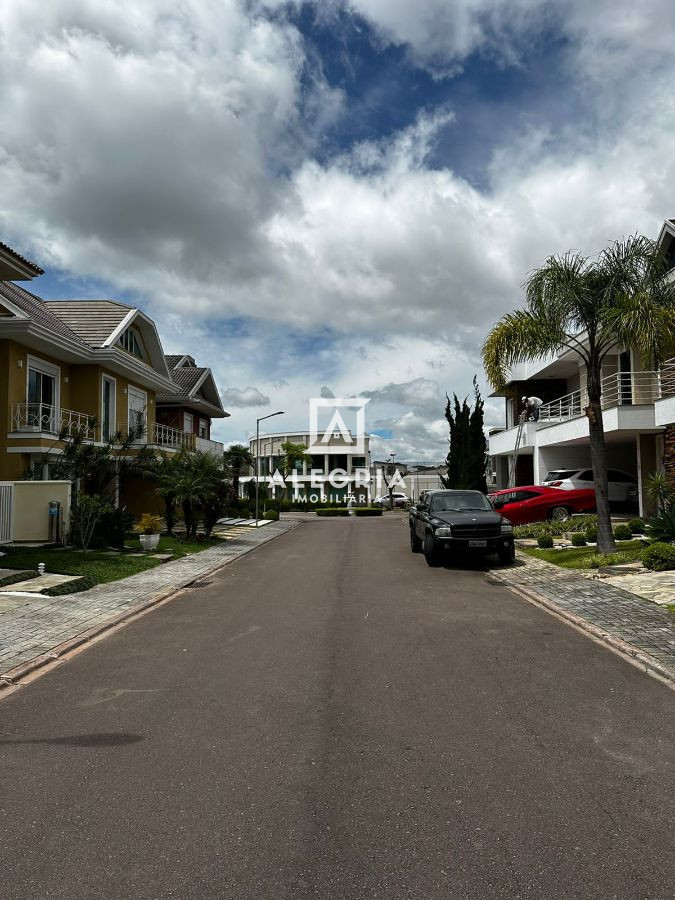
(244, 397)
(167, 149)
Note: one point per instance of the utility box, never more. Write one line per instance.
(55, 522)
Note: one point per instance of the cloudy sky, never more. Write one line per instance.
(331, 197)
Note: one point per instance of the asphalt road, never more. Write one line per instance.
(331, 718)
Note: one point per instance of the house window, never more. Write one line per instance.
(203, 429)
(131, 342)
(188, 423)
(138, 412)
(108, 425)
(42, 396)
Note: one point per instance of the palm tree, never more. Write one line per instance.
(195, 482)
(235, 458)
(590, 306)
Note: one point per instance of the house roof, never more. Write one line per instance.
(195, 386)
(178, 360)
(36, 309)
(188, 378)
(15, 266)
(92, 320)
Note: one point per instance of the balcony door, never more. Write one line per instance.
(42, 396)
(138, 413)
(188, 423)
(625, 383)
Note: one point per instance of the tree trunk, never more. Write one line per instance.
(596, 432)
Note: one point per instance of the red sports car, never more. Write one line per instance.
(533, 503)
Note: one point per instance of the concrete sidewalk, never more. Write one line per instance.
(32, 626)
(628, 623)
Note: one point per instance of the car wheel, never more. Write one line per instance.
(415, 542)
(431, 551)
(560, 514)
(507, 556)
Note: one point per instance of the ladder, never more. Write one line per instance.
(514, 459)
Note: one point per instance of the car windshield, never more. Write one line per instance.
(560, 474)
(460, 501)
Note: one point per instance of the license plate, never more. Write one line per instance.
(477, 543)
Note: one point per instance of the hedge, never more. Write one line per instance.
(659, 556)
(368, 510)
(333, 511)
(71, 587)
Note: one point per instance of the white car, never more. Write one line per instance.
(622, 487)
(397, 497)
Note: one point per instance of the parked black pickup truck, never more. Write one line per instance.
(459, 520)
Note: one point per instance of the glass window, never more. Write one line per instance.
(108, 425)
(41, 412)
(559, 474)
(203, 428)
(459, 500)
(138, 404)
(587, 475)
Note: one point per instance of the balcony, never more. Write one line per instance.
(621, 389)
(40, 418)
(664, 409)
(204, 445)
(168, 438)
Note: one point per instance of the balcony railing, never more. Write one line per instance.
(621, 389)
(172, 438)
(204, 445)
(42, 418)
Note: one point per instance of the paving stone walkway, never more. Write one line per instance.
(643, 625)
(33, 625)
(659, 587)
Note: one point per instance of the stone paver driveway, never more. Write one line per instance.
(33, 625)
(644, 626)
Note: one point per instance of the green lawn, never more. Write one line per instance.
(99, 566)
(580, 557)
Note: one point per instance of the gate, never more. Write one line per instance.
(6, 492)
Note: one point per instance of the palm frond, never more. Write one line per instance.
(518, 337)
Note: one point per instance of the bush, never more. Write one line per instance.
(367, 510)
(591, 534)
(71, 587)
(85, 516)
(578, 539)
(113, 528)
(545, 542)
(271, 515)
(623, 533)
(333, 511)
(148, 524)
(659, 556)
(537, 529)
(662, 527)
(637, 526)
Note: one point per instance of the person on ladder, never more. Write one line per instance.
(531, 408)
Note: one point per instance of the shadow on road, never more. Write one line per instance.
(80, 740)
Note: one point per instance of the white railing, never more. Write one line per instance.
(172, 438)
(620, 389)
(45, 419)
(204, 445)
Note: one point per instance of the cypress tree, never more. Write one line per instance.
(466, 457)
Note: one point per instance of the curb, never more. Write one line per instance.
(12, 677)
(643, 661)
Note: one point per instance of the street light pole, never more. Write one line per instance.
(257, 456)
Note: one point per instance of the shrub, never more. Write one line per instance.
(623, 533)
(271, 515)
(85, 517)
(537, 529)
(637, 526)
(367, 510)
(71, 587)
(591, 534)
(578, 539)
(333, 511)
(662, 527)
(113, 528)
(148, 524)
(545, 542)
(659, 556)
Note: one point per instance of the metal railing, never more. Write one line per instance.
(172, 438)
(46, 419)
(620, 389)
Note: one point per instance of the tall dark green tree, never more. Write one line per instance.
(466, 458)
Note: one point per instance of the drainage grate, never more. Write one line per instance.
(198, 584)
